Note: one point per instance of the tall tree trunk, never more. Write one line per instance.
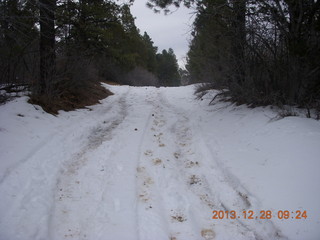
(47, 44)
(239, 39)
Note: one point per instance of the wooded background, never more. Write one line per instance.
(257, 52)
(62, 49)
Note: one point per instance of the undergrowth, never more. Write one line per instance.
(252, 100)
(69, 99)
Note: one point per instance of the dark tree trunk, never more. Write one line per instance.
(239, 39)
(47, 44)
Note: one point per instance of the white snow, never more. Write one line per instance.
(154, 163)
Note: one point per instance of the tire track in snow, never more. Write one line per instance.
(163, 206)
(233, 196)
(28, 156)
(28, 190)
(81, 176)
(185, 161)
(212, 185)
(106, 194)
(178, 181)
(151, 221)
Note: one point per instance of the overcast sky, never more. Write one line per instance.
(166, 31)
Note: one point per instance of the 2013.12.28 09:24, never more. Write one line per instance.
(263, 214)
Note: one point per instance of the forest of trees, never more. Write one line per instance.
(257, 52)
(62, 49)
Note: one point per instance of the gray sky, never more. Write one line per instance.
(166, 31)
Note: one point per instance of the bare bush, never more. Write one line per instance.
(4, 98)
(287, 112)
(202, 89)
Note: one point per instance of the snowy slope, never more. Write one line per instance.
(153, 163)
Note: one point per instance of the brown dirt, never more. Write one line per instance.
(111, 83)
(70, 100)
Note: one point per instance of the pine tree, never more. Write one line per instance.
(167, 68)
(47, 45)
(238, 40)
(273, 52)
(150, 53)
(210, 48)
(17, 40)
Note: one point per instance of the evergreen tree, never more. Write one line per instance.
(63, 47)
(18, 36)
(269, 51)
(47, 45)
(167, 68)
(209, 53)
(150, 53)
(238, 40)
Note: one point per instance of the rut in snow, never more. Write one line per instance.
(140, 170)
(180, 183)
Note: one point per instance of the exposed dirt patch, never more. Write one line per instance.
(178, 217)
(191, 164)
(112, 83)
(208, 234)
(176, 155)
(71, 99)
(194, 180)
(245, 199)
(157, 161)
(144, 197)
(205, 198)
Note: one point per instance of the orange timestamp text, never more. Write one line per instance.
(263, 214)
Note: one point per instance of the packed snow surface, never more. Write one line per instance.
(156, 164)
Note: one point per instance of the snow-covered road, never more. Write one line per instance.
(152, 164)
